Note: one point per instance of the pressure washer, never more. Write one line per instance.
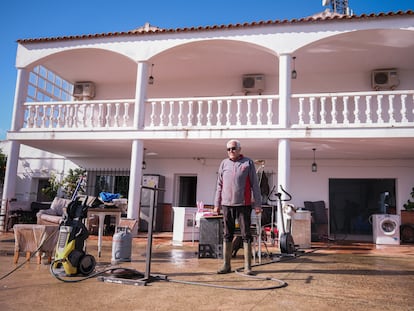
(70, 248)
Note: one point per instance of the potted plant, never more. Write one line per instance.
(409, 206)
(407, 215)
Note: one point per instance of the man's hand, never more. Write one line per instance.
(216, 209)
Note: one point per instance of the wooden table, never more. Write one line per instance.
(101, 213)
(31, 238)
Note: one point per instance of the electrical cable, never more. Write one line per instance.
(98, 273)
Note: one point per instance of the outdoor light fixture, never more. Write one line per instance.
(314, 165)
(294, 73)
(151, 77)
(144, 164)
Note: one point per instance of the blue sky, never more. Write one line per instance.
(23, 19)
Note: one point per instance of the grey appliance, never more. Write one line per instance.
(153, 181)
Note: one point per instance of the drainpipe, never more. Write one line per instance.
(283, 165)
(9, 187)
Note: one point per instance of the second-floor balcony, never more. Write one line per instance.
(380, 109)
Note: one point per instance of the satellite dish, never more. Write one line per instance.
(325, 2)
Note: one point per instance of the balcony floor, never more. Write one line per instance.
(351, 276)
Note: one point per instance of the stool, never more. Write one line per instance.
(28, 238)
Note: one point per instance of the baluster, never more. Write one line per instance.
(64, 115)
(391, 109)
(334, 112)
(379, 109)
(152, 116)
(209, 113)
(356, 110)
(30, 115)
(228, 113)
(190, 113)
(60, 117)
(346, 110)
(91, 115)
(74, 116)
(170, 115)
(219, 111)
(259, 113)
(126, 114)
(68, 111)
(83, 107)
(53, 113)
(49, 119)
(238, 113)
(269, 111)
(55, 117)
(300, 112)
(368, 109)
(100, 115)
(108, 115)
(312, 111)
(323, 110)
(45, 119)
(162, 114)
(249, 112)
(180, 113)
(117, 114)
(36, 117)
(199, 114)
(404, 108)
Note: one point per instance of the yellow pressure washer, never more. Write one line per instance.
(70, 248)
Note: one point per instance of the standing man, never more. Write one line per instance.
(236, 181)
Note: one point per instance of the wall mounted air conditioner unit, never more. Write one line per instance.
(384, 79)
(253, 83)
(83, 90)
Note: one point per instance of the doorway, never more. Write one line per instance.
(353, 201)
(186, 190)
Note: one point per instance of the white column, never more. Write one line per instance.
(140, 94)
(134, 193)
(284, 89)
(283, 168)
(284, 121)
(9, 187)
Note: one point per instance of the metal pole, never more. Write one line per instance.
(149, 239)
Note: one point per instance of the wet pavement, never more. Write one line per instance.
(329, 276)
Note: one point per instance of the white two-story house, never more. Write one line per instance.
(332, 90)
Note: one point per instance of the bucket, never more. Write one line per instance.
(121, 245)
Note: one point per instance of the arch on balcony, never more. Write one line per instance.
(211, 68)
(343, 62)
(114, 74)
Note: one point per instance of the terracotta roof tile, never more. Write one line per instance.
(147, 29)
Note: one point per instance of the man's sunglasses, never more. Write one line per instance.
(232, 149)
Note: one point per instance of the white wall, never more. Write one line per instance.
(35, 164)
(305, 185)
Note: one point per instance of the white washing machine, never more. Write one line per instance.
(386, 229)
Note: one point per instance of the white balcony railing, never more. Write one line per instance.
(105, 114)
(322, 110)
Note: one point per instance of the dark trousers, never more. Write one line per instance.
(243, 215)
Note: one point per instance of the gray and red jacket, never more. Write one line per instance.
(235, 183)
